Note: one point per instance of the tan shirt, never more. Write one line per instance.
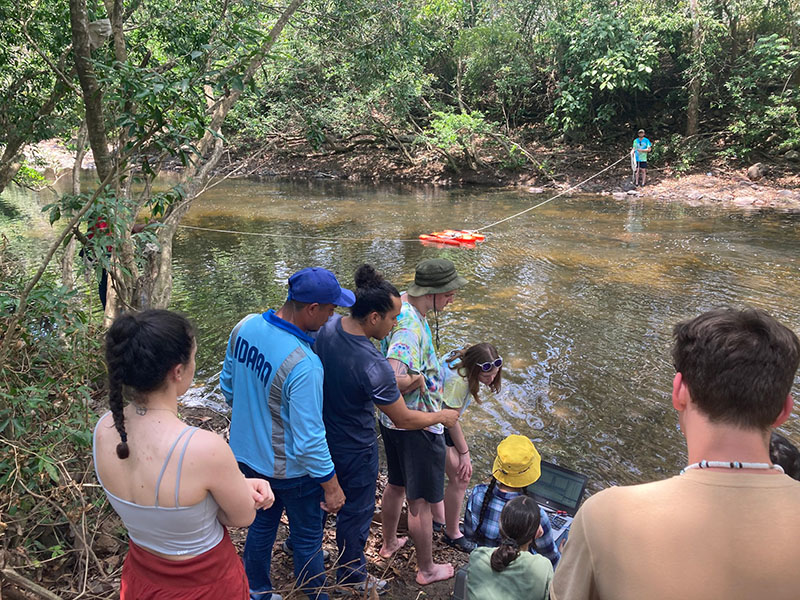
(699, 536)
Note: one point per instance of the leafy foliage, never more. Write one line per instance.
(45, 421)
(764, 108)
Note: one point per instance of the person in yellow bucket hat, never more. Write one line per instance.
(516, 466)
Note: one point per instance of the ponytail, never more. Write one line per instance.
(519, 524)
(506, 553)
(373, 293)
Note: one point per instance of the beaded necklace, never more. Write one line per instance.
(733, 464)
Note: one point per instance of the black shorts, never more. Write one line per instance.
(448, 441)
(641, 164)
(415, 461)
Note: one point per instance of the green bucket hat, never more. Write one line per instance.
(435, 276)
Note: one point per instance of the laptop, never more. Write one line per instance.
(559, 491)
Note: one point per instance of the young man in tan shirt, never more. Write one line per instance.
(728, 526)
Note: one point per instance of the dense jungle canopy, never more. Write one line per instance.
(151, 84)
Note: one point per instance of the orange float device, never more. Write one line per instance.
(453, 237)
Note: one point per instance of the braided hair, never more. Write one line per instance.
(487, 497)
(519, 523)
(141, 348)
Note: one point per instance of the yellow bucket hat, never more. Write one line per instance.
(517, 463)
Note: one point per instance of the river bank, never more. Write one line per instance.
(557, 169)
(109, 546)
(582, 298)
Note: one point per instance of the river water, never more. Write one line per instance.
(579, 296)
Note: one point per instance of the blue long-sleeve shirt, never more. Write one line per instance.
(273, 380)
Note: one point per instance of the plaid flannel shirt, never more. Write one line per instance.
(489, 535)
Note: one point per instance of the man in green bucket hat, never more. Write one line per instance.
(416, 459)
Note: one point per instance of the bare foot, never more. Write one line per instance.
(437, 573)
(387, 550)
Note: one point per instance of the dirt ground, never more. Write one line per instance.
(400, 570)
(556, 169)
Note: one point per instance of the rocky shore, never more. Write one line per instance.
(557, 170)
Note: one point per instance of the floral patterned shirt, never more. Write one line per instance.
(411, 342)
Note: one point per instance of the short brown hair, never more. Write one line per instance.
(739, 365)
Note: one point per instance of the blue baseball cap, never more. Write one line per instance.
(315, 284)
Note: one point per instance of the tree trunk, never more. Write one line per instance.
(68, 259)
(92, 93)
(151, 286)
(154, 288)
(693, 107)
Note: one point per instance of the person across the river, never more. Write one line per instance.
(641, 148)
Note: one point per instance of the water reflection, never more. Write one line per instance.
(579, 296)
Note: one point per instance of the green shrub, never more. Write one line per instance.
(46, 387)
(764, 108)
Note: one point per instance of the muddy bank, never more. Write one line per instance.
(556, 169)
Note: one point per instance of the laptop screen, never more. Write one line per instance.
(559, 488)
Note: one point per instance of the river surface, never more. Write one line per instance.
(579, 296)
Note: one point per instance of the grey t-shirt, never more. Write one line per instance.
(356, 377)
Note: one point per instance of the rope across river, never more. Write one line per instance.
(416, 240)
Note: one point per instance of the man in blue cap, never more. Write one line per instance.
(273, 381)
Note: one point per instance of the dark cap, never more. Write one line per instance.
(435, 276)
(315, 284)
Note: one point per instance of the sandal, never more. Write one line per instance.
(459, 543)
(437, 527)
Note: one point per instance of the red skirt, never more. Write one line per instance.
(217, 573)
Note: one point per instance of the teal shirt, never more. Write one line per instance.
(528, 577)
(642, 144)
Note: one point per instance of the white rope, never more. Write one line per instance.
(522, 212)
(297, 237)
(346, 239)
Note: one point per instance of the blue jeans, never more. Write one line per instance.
(357, 472)
(300, 497)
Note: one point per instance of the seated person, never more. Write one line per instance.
(510, 571)
(782, 452)
(516, 466)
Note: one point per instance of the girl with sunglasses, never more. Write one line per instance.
(463, 372)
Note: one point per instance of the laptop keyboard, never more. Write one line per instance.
(557, 522)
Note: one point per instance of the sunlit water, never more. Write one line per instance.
(579, 296)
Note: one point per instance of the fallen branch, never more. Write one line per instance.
(27, 584)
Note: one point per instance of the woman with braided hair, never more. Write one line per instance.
(516, 466)
(510, 571)
(175, 487)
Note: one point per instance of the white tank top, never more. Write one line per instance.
(176, 530)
